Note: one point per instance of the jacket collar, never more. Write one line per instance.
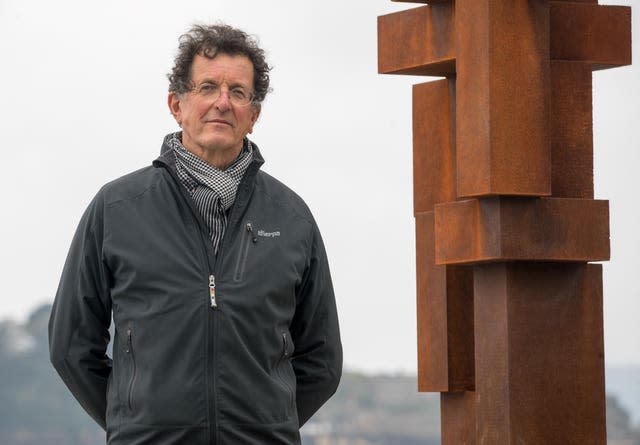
(168, 159)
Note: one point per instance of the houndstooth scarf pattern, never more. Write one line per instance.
(213, 190)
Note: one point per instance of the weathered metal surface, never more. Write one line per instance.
(502, 98)
(434, 153)
(423, 1)
(458, 418)
(571, 130)
(431, 304)
(445, 317)
(599, 35)
(539, 359)
(515, 229)
(539, 354)
(418, 41)
(444, 293)
(511, 127)
(422, 41)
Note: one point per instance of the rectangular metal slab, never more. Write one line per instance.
(521, 229)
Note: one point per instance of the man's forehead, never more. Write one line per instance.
(233, 65)
(221, 56)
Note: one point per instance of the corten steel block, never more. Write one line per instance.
(512, 229)
(423, 1)
(450, 1)
(417, 41)
(458, 418)
(422, 41)
(502, 98)
(599, 35)
(571, 130)
(539, 354)
(445, 317)
(434, 154)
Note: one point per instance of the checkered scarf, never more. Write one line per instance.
(213, 190)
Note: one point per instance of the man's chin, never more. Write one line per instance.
(227, 147)
(220, 144)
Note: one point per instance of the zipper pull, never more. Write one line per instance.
(212, 290)
(249, 228)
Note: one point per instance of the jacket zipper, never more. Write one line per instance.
(212, 405)
(212, 327)
(212, 290)
(129, 351)
(213, 303)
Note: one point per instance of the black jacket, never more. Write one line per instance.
(246, 364)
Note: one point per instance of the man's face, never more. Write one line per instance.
(214, 129)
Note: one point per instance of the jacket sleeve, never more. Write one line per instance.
(80, 318)
(317, 359)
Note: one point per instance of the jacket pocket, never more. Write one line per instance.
(132, 360)
(246, 238)
(284, 370)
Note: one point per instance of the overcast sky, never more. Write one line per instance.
(85, 102)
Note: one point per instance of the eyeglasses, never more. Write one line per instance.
(211, 92)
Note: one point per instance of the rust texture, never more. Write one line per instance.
(444, 293)
(422, 40)
(509, 309)
(434, 155)
(540, 365)
(502, 53)
(444, 317)
(571, 130)
(477, 231)
(423, 1)
(418, 41)
(604, 34)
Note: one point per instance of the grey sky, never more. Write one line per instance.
(85, 102)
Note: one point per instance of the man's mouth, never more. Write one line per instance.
(219, 121)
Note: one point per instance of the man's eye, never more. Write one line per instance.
(239, 93)
(207, 89)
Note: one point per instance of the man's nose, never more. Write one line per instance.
(223, 103)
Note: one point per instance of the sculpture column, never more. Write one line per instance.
(509, 307)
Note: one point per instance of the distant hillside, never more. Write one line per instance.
(381, 410)
(387, 410)
(36, 408)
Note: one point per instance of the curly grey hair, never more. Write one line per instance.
(211, 40)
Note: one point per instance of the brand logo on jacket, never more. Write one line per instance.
(268, 234)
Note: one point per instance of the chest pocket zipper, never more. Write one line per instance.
(247, 237)
(132, 380)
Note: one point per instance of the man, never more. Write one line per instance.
(214, 273)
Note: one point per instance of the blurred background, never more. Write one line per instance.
(85, 102)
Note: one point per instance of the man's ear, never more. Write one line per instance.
(254, 116)
(173, 100)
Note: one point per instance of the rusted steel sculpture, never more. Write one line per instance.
(509, 309)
